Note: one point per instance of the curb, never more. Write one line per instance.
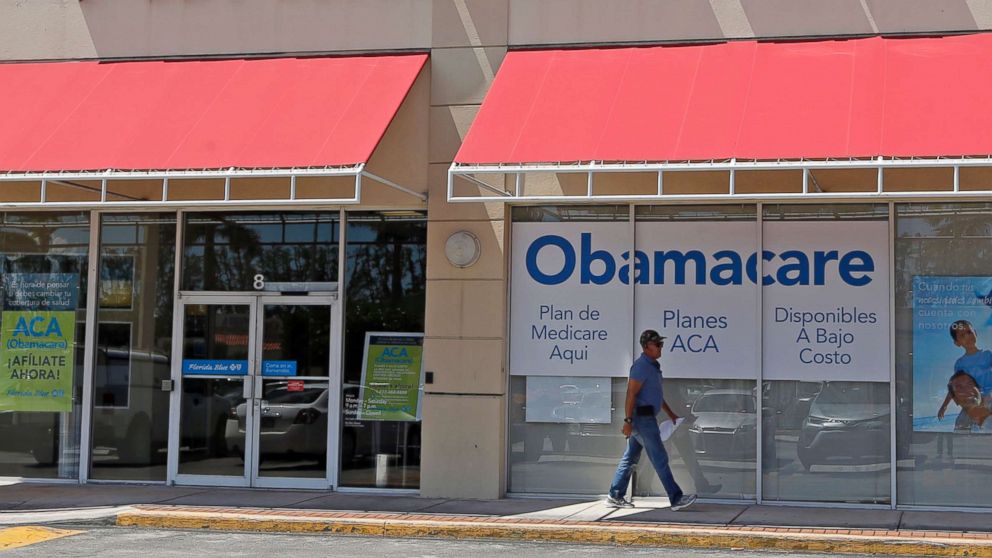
(623, 534)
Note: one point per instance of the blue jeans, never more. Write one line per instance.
(645, 436)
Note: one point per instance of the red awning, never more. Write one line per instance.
(856, 98)
(179, 115)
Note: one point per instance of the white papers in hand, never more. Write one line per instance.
(667, 427)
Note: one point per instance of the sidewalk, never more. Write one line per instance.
(705, 525)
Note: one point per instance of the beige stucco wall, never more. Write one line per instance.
(111, 28)
(58, 29)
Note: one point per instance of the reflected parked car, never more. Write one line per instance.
(725, 425)
(590, 426)
(847, 422)
(293, 422)
(127, 396)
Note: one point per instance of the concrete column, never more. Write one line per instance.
(464, 440)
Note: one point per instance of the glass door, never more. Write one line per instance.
(212, 386)
(295, 402)
(252, 391)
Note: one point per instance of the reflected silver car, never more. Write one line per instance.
(847, 422)
(725, 425)
(293, 422)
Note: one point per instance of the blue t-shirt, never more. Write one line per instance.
(647, 371)
(979, 365)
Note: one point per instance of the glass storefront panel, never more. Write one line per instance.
(826, 441)
(569, 449)
(293, 423)
(943, 279)
(385, 292)
(43, 258)
(213, 408)
(710, 327)
(826, 421)
(826, 436)
(133, 346)
(564, 432)
(239, 251)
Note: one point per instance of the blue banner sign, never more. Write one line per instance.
(192, 367)
(952, 326)
(279, 368)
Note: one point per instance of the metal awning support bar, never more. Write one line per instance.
(395, 186)
(730, 167)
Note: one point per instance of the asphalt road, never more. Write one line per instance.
(113, 542)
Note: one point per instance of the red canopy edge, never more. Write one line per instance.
(749, 100)
(199, 114)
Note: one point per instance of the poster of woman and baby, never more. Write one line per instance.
(952, 363)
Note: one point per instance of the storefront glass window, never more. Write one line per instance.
(134, 346)
(943, 281)
(826, 434)
(385, 292)
(709, 375)
(564, 434)
(238, 251)
(823, 271)
(44, 259)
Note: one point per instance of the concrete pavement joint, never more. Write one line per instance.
(182, 496)
(433, 505)
(740, 513)
(851, 541)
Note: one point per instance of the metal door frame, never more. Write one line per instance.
(333, 395)
(252, 386)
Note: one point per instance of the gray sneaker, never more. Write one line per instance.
(684, 502)
(617, 502)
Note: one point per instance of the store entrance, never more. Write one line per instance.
(255, 397)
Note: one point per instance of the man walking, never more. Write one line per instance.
(640, 425)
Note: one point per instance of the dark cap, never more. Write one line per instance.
(651, 336)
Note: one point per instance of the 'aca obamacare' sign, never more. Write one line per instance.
(582, 291)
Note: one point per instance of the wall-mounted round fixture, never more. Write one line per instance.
(462, 249)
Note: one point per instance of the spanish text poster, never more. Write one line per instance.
(37, 342)
(570, 299)
(825, 291)
(945, 311)
(392, 377)
(693, 285)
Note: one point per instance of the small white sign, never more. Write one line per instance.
(569, 399)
